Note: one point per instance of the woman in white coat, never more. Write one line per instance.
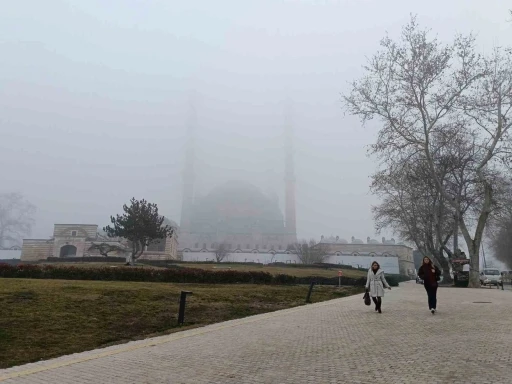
(375, 284)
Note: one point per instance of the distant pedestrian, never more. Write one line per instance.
(430, 275)
(375, 284)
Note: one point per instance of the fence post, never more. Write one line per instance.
(308, 298)
(181, 312)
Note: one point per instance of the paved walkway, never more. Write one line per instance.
(340, 341)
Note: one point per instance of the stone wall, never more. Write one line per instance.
(243, 257)
(6, 254)
(170, 251)
(195, 242)
(82, 230)
(390, 264)
(404, 253)
(35, 250)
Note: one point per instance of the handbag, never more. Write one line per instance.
(366, 298)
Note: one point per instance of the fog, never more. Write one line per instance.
(95, 98)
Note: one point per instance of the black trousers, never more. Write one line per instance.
(377, 301)
(432, 296)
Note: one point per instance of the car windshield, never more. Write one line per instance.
(491, 272)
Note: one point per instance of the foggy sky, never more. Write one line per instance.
(94, 99)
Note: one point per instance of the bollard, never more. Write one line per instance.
(181, 313)
(308, 298)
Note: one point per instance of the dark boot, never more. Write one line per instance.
(376, 302)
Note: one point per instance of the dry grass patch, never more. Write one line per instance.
(41, 319)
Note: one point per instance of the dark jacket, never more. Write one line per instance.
(427, 276)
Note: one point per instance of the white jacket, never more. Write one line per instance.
(376, 282)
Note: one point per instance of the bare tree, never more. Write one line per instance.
(500, 233)
(502, 243)
(104, 248)
(431, 97)
(16, 218)
(309, 252)
(414, 209)
(221, 251)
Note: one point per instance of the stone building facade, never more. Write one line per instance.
(337, 247)
(76, 240)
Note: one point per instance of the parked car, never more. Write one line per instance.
(490, 277)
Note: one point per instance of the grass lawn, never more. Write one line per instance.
(274, 270)
(41, 319)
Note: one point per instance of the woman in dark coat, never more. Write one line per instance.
(430, 275)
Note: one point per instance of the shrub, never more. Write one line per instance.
(171, 275)
(394, 280)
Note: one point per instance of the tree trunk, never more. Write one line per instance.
(135, 249)
(475, 242)
(138, 254)
(445, 266)
(474, 270)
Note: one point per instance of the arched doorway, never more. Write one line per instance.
(68, 251)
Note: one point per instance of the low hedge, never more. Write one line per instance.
(169, 275)
(394, 280)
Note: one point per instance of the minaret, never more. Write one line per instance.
(188, 174)
(290, 220)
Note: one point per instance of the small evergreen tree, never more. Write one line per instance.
(140, 224)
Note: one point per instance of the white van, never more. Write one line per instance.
(490, 276)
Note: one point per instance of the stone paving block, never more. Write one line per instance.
(341, 341)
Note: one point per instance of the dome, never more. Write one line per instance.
(170, 223)
(236, 207)
(333, 240)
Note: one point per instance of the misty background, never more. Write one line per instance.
(95, 99)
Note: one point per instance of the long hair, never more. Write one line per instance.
(378, 266)
(429, 261)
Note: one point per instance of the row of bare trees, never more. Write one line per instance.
(308, 252)
(444, 142)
